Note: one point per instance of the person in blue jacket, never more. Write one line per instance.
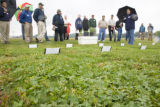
(58, 25)
(142, 31)
(78, 25)
(130, 27)
(26, 19)
(4, 22)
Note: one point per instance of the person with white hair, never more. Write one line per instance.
(150, 32)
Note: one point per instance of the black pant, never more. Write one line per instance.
(110, 32)
(77, 34)
(59, 31)
(65, 32)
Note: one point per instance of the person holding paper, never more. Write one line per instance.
(58, 25)
(102, 28)
(130, 26)
(111, 28)
(150, 32)
(92, 26)
(26, 19)
(4, 23)
(142, 31)
(78, 25)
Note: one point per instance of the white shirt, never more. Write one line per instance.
(112, 22)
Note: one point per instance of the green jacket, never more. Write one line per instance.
(92, 23)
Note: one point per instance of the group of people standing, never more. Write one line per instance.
(142, 31)
(61, 26)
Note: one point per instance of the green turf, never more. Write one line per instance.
(81, 76)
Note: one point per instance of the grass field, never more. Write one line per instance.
(81, 76)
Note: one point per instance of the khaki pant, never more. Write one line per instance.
(28, 32)
(150, 36)
(142, 35)
(41, 30)
(4, 31)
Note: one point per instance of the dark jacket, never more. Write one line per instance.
(4, 16)
(85, 24)
(92, 23)
(26, 16)
(39, 15)
(142, 29)
(129, 23)
(58, 20)
(78, 24)
(118, 24)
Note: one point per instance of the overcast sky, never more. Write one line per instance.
(148, 11)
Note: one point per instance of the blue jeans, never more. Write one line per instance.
(102, 33)
(119, 33)
(130, 35)
(46, 37)
(23, 36)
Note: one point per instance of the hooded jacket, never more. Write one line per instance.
(78, 24)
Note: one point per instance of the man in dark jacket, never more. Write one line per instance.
(58, 25)
(85, 26)
(40, 19)
(4, 22)
(78, 25)
(92, 26)
(130, 27)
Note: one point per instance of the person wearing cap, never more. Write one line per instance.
(111, 28)
(92, 26)
(4, 23)
(26, 19)
(58, 25)
(40, 19)
(85, 26)
(102, 28)
(78, 25)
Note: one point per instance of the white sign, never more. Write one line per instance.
(153, 43)
(32, 46)
(122, 44)
(139, 44)
(101, 44)
(52, 50)
(69, 45)
(106, 48)
(87, 40)
(143, 47)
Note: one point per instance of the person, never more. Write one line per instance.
(58, 25)
(111, 28)
(4, 23)
(26, 19)
(85, 26)
(150, 32)
(119, 26)
(78, 25)
(129, 26)
(65, 27)
(92, 26)
(102, 28)
(40, 19)
(142, 31)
